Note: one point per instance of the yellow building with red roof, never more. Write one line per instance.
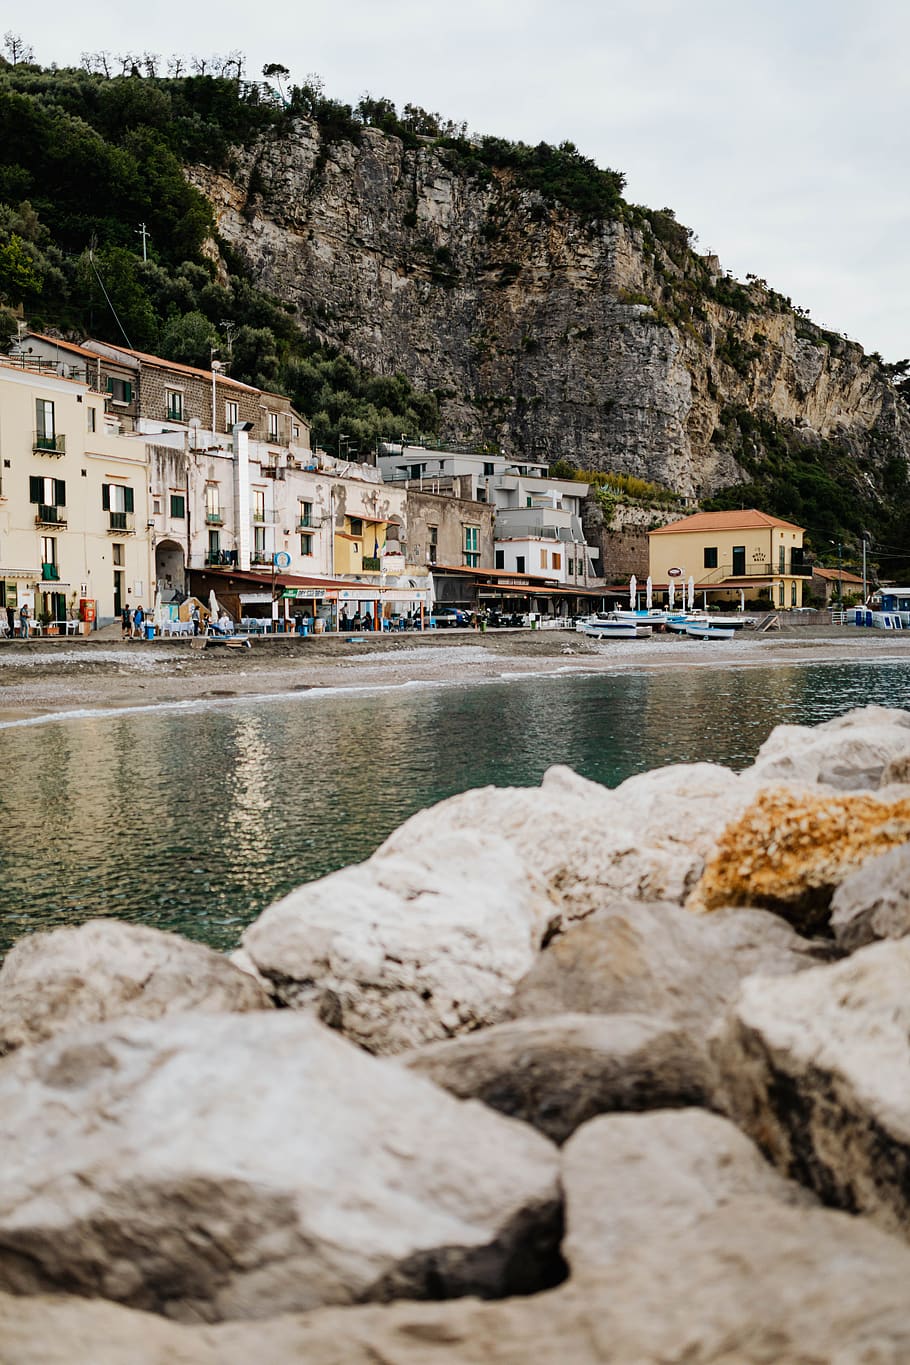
(728, 553)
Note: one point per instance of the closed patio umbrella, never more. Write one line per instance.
(691, 593)
(648, 592)
(671, 594)
(633, 584)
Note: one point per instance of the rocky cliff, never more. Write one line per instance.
(607, 342)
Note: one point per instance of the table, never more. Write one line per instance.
(67, 627)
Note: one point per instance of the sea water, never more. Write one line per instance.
(194, 818)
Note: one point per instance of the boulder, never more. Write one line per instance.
(789, 850)
(815, 1068)
(45, 1329)
(557, 1073)
(106, 969)
(218, 1166)
(657, 959)
(874, 901)
(866, 748)
(413, 945)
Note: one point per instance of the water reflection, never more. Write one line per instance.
(195, 820)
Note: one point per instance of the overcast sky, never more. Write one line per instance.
(777, 131)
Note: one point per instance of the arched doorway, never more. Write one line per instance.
(170, 570)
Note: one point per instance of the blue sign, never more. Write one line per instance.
(281, 560)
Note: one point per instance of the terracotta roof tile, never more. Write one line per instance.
(747, 519)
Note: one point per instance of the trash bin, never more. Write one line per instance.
(150, 630)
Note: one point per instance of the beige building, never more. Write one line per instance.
(74, 507)
(733, 553)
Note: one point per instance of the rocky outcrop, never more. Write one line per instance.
(545, 331)
(106, 969)
(558, 1072)
(815, 1067)
(241, 1166)
(661, 961)
(789, 851)
(873, 902)
(867, 748)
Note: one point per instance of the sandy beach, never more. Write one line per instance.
(50, 677)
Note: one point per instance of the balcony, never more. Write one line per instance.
(214, 519)
(121, 524)
(311, 523)
(222, 559)
(50, 516)
(50, 573)
(42, 444)
(758, 568)
(260, 557)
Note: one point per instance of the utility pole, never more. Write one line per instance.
(840, 581)
(865, 593)
(143, 232)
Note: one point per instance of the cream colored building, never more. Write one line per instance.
(733, 553)
(74, 508)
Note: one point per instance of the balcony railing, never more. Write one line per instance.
(50, 516)
(214, 519)
(222, 559)
(121, 523)
(43, 444)
(310, 523)
(260, 557)
(758, 568)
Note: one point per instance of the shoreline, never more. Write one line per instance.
(45, 682)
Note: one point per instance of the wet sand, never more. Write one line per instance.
(52, 677)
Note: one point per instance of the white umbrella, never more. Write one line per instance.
(704, 599)
(671, 594)
(214, 612)
(158, 613)
(633, 584)
(648, 593)
(691, 593)
(742, 600)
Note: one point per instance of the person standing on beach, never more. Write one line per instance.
(23, 620)
(11, 619)
(195, 619)
(126, 621)
(138, 618)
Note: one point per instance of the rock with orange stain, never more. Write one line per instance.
(789, 851)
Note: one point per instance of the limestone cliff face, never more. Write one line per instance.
(603, 343)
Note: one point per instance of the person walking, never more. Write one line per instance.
(11, 619)
(126, 621)
(194, 617)
(138, 619)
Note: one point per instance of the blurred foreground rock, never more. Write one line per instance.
(107, 969)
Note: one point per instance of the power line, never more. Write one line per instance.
(91, 257)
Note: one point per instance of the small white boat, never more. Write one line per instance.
(611, 630)
(701, 630)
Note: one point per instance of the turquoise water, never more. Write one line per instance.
(195, 819)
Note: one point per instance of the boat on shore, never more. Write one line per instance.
(612, 626)
(703, 630)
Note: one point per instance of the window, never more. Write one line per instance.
(739, 560)
(780, 594)
(259, 504)
(212, 504)
(500, 556)
(116, 497)
(781, 558)
(792, 594)
(519, 563)
(47, 493)
(173, 402)
(432, 544)
(273, 426)
(90, 418)
(543, 559)
(529, 502)
(488, 467)
(214, 546)
(120, 390)
(231, 414)
(570, 567)
(117, 551)
(49, 570)
(178, 506)
(156, 507)
(45, 431)
(259, 542)
(471, 544)
(356, 526)
(710, 556)
(557, 561)
(304, 513)
(306, 545)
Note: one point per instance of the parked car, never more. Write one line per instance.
(450, 616)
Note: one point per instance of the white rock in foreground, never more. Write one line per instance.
(816, 1067)
(107, 969)
(240, 1166)
(414, 945)
(874, 901)
(866, 749)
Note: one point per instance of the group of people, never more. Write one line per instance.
(132, 620)
(358, 622)
(24, 619)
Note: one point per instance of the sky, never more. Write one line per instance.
(777, 131)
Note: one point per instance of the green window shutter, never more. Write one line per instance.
(127, 392)
(106, 497)
(128, 499)
(110, 385)
(59, 492)
(35, 488)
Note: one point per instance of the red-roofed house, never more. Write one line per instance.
(728, 553)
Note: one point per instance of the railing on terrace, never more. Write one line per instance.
(757, 568)
(43, 444)
(121, 523)
(50, 516)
